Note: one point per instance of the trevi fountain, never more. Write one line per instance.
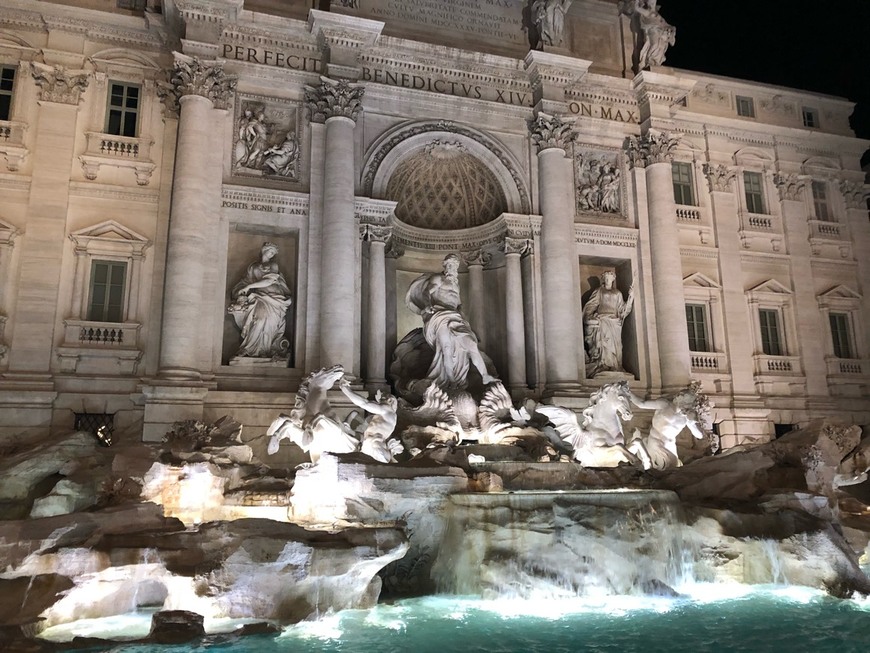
(438, 515)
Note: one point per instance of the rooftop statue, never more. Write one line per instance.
(435, 298)
(649, 28)
(549, 17)
(689, 408)
(259, 307)
(603, 316)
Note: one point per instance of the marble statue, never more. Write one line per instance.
(253, 138)
(312, 424)
(649, 26)
(259, 307)
(588, 449)
(435, 297)
(549, 18)
(377, 442)
(281, 159)
(603, 316)
(689, 408)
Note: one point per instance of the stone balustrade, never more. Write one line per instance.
(777, 365)
(117, 151)
(709, 362)
(688, 214)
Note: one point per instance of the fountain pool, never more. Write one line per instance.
(708, 618)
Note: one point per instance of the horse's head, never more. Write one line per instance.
(326, 377)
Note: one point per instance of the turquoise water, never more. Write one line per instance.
(772, 619)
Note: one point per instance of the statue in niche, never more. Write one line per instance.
(651, 29)
(376, 440)
(603, 315)
(259, 307)
(597, 185)
(281, 159)
(435, 298)
(689, 408)
(549, 18)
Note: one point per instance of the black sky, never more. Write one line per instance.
(820, 45)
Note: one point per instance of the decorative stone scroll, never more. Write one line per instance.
(519, 246)
(333, 98)
(193, 76)
(59, 85)
(265, 143)
(476, 257)
(651, 148)
(549, 132)
(598, 182)
(720, 177)
(790, 186)
(854, 193)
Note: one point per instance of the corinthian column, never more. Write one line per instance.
(513, 249)
(476, 261)
(653, 152)
(337, 104)
(376, 349)
(200, 87)
(552, 137)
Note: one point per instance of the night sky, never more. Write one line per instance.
(812, 45)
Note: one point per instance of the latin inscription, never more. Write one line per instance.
(500, 20)
(271, 58)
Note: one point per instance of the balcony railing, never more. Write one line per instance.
(777, 365)
(82, 333)
(708, 362)
(12, 143)
(824, 230)
(688, 214)
(847, 367)
(756, 222)
(117, 151)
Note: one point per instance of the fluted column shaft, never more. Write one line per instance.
(377, 314)
(667, 277)
(193, 192)
(515, 321)
(558, 258)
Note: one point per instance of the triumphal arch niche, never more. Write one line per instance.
(458, 189)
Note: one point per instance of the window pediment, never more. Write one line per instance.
(110, 237)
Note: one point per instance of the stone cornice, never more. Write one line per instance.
(372, 211)
(489, 235)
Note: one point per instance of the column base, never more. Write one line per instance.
(179, 374)
(167, 404)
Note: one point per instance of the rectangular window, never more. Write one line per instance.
(745, 106)
(754, 193)
(7, 81)
(840, 335)
(123, 111)
(810, 116)
(107, 291)
(771, 342)
(696, 321)
(820, 201)
(682, 175)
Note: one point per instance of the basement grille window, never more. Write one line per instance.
(102, 425)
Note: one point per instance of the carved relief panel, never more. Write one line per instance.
(598, 181)
(266, 139)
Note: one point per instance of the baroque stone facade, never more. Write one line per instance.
(549, 151)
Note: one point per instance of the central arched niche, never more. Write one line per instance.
(443, 186)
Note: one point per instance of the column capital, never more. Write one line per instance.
(476, 257)
(519, 246)
(375, 233)
(720, 177)
(854, 193)
(206, 78)
(57, 84)
(333, 98)
(790, 186)
(551, 132)
(651, 148)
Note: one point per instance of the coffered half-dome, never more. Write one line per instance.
(443, 186)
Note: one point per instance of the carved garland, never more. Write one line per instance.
(453, 128)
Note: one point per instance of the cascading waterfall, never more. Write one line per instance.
(540, 545)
